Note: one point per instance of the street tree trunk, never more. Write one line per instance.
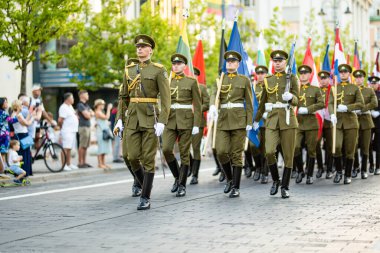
(24, 66)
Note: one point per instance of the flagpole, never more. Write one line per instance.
(217, 106)
(335, 104)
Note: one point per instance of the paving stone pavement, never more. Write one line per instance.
(322, 217)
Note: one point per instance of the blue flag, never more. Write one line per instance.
(293, 64)
(236, 45)
(336, 71)
(326, 61)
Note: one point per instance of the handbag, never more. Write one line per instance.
(26, 142)
(107, 135)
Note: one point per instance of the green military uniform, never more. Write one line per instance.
(197, 138)
(310, 97)
(349, 98)
(365, 121)
(327, 133)
(232, 122)
(143, 83)
(185, 113)
(261, 170)
(277, 130)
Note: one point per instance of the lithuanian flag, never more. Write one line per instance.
(184, 48)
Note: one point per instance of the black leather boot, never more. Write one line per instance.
(320, 163)
(329, 165)
(174, 168)
(364, 167)
(276, 179)
(196, 165)
(138, 181)
(182, 181)
(146, 190)
(339, 171)
(248, 165)
(236, 182)
(191, 166)
(222, 177)
(259, 166)
(347, 170)
(377, 170)
(355, 169)
(285, 183)
(371, 161)
(299, 165)
(218, 168)
(264, 174)
(228, 173)
(310, 171)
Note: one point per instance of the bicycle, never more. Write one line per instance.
(53, 153)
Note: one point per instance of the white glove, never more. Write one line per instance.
(212, 113)
(265, 115)
(118, 129)
(375, 114)
(303, 110)
(333, 119)
(255, 125)
(195, 130)
(268, 107)
(159, 128)
(248, 127)
(287, 96)
(356, 111)
(342, 108)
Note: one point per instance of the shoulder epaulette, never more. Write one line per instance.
(269, 75)
(158, 65)
(131, 65)
(191, 77)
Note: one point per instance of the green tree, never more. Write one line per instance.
(26, 24)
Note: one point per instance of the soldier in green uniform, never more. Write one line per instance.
(261, 170)
(184, 121)
(310, 101)
(365, 121)
(324, 77)
(281, 123)
(197, 139)
(375, 144)
(349, 99)
(143, 122)
(233, 121)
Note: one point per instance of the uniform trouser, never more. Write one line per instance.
(230, 146)
(349, 137)
(327, 139)
(261, 149)
(141, 142)
(286, 138)
(184, 140)
(310, 137)
(196, 141)
(364, 141)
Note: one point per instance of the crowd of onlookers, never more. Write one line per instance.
(20, 131)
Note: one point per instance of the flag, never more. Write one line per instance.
(199, 62)
(338, 52)
(222, 50)
(184, 48)
(376, 67)
(309, 60)
(293, 59)
(260, 60)
(236, 45)
(357, 64)
(348, 59)
(326, 61)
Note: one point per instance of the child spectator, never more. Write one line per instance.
(15, 161)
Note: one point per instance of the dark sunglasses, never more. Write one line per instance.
(325, 77)
(304, 72)
(343, 71)
(260, 73)
(359, 76)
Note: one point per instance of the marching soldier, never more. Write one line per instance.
(349, 99)
(197, 139)
(182, 123)
(365, 121)
(281, 123)
(374, 80)
(310, 101)
(143, 123)
(324, 77)
(261, 170)
(233, 122)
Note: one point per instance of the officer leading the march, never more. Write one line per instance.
(281, 123)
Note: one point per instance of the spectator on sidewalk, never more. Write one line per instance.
(103, 132)
(36, 104)
(116, 141)
(5, 120)
(15, 160)
(68, 120)
(21, 132)
(85, 113)
(26, 110)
